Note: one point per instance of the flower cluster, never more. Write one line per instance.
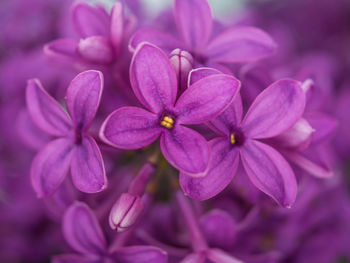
(129, 137)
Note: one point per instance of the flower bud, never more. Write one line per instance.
(96, 49)
(182, 62)
(298, 137)
(125, 212)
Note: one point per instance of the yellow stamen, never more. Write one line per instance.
(232, 138)
(167, 122)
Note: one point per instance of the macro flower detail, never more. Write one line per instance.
(73, 149)
(154, 83)
(274, 111)
(194, 24)
(84, 234)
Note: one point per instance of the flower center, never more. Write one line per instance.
(167, 122)
(237, 138)
(232, 139)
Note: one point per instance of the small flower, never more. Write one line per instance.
(74, 148)
(194, 23)
(154, 83)
(274, 111)
(83, 233)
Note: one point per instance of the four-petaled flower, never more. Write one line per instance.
(74, 148)
(274, 111)
(154, 83)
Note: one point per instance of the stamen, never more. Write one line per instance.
(232, 138)
(167, 122)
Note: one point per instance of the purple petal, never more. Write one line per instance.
(117, 26)
(269, 172)
(83, 97)
(206, 99)
(185, 149)
(219, 229)
(50, 166)
(219, 256)
(90, 21)
(199, 73)
(45, 111)
(160, 39)
(194, 22)
(324, 125)
(153, 78)
(222, 167)
(240, 44)
(313, 168)
(194, 258)
(275, 110)
(88, 171)
(96, 49)
(230, 119)
(72, 258)
(140, 254)
(82, 231)
(130, 128)
(65, 48)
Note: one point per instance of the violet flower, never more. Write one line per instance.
(83, 233)
(154, 83)
(73, 148)
(101, 35)
(194, 23)
(273, 112)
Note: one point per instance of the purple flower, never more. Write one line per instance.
(194, 23)
(101, 35)
(154, 83)
(83, 233)
(273, 112)
(74, 148)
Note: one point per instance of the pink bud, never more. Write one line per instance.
(298, 137)
(125, 212)
(96, 49)
(182, 62)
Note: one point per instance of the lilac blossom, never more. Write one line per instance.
(194, 24)
(273, 112)
(154, 82)
(73, 149)
(83, 233)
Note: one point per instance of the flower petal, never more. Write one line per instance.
(140, 254)
(90, 21)
(117, 26)
(83, 97)
(64, 48)
(275, 110)
(194, 22)
(199, 73)
(45, 111)
(50, 166)
(185, 149)
(130, 128)
(219, 256)
(230, 119)
(160, 39)
(269, 172)
(96, 49)
(87, 168)
(82, 231)
(222, 167)
(219, 228)
(240, 44)
(153, 78)
(206, 99)
(324, 125)
(72, 258)
(194, 258)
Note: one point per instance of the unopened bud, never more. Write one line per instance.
(182, 62)
(125, 212)
(96, 49)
